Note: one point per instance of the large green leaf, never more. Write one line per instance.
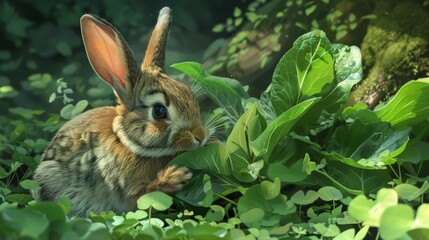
(348, 72)
(212, 158)
(409, 106)
(360, 112)
(279, 128)
(284, 151)
(204, 187)
(292, 174)
(225, 92)
(353, 179)
(372, 145)
(265, 106)
(304, 71)
(248, 128)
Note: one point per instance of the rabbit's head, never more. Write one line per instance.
(157, 115)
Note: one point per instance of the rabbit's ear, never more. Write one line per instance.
(109, 55)
(155, 52)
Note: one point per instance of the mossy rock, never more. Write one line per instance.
(395, 49)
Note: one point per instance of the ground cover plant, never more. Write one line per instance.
(295, 163)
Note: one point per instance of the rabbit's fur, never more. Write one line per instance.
(106, 158)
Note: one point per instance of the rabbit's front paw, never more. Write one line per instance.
(170, 179)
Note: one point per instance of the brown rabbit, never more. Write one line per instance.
(106, 158)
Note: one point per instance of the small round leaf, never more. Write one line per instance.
(158, 200)
(66, 112)
(80, 106)
(301, 199)
(360, 206)
(422, 217)
(252, 216)
(396, 221)
(139, 214)
(407, 191)
(271, 190)
(52, 97)
(29, 184)
(330, 193)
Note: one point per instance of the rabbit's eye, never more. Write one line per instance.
(159, 112)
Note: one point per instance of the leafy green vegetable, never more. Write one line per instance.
(405, 109)
(212, 157)
(304, 71)
(408, 106)
(373, 145)
(225, 92)
(279, 128)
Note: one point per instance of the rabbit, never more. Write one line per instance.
(106, 158)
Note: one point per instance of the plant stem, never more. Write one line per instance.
(351, 191)
(400, 172)
(394, 172)
(249, 152)
(150, 215)
(420, 168)
(226, 199)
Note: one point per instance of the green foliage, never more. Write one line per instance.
(311, 58)
(403, 110)
(306, 115)
(225, 92)
(266, 23)
(158, 200)
(395, 220)
(355, 172)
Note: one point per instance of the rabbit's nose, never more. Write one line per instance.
(199, 133)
